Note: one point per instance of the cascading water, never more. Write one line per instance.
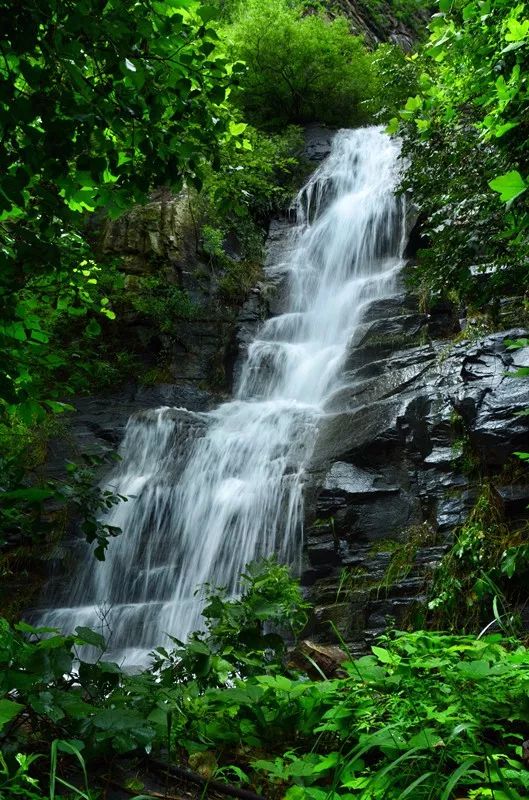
(212, 491)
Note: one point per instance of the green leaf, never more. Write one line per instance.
(14, 330)
(414, 103)
(425, 739)
(328, 762)
(474, 670)
(93, 328)
(25, 627)
(207, 13)
(509, 186)
(8, 711)
(457, 775)
(392, 126)
(57, 407)
(384, 655)
(518, 31)
(501, 130)
(409, 790)
(90, 637)
(29, 495)
(39, 336)
(237, 128)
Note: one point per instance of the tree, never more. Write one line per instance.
(99, 101)
(465, 136)
(301, 68)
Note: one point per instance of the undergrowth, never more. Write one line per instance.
(484, 574)
(424, 715)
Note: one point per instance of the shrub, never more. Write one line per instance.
(255, 179)
(425, 715)
(483, 577)
(164, 303)
(395, 76)
(300, 68)
(465, 136)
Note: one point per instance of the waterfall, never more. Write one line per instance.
(212, 491)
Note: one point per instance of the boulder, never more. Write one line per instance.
(160, 233)
(318, 660)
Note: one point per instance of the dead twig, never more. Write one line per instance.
(194, 777)
(144, 792)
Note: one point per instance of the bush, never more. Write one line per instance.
(255, 179)
(425, 715)
(468, 252)
(396, 75)
(300, 68)
(162, 302)
(465, 134)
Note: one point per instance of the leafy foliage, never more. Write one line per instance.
(425, 715)
(241, 636)
(161, 302)
(465, 133)
(99, 102)
(395, 75)
(301, 68)
(23, 515)
(484, 573)
(255, 180)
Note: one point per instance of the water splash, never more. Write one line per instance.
(212, 491)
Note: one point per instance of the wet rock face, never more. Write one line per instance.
(390, 480)
(380, 21)
(98, 426)
(160, 239)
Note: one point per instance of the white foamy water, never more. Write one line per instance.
(213, 491)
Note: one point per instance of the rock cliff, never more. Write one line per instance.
(401, 23)
(394, 471)
(391, 477)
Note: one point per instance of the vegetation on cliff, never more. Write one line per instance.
(465, 131)
(465, 138)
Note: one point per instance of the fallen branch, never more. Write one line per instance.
(194, 777)
(143, 793)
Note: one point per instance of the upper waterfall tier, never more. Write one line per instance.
(210, 492)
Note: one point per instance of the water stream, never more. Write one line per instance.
(212, 491)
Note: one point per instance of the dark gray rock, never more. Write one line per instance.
(399, 304)
(318, 140)
(351, 480)
(98, 424)
(514, 499)
(390, 332)
(394, 458)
